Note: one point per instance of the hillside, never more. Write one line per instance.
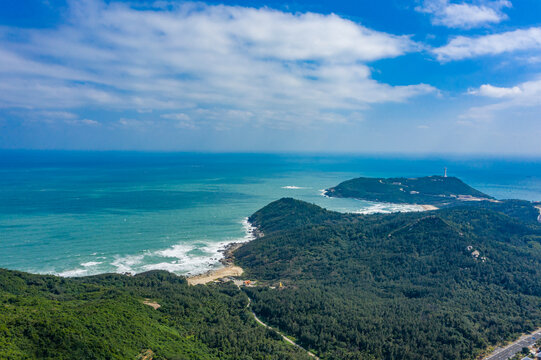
(440, 285)
(429, 190)
(401, 286)
(105, 317)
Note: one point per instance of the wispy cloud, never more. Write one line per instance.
(181, 120)
(205, 62)
(528, 92)
(464, 15)
(496, 92)
(521, 96)
(83, 122)
(53, 117)
(463, 47)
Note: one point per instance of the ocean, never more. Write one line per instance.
(85, 213)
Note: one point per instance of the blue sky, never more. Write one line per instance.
(430, 77)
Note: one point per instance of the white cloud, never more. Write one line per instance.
(83, 122)
(131, 122)
(179, 116)
(534, 59)
(65, 115)
(496, 92)
(236, 63)
(521, 96)
(463, 47)
(53, 117)
(464, 15)
(181, 120)
(525, 93)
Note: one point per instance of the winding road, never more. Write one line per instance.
(288, 340)
(502, 353)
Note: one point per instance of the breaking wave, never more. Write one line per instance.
(191, 258)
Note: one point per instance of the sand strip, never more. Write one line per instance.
(212, 275)
(229, 269)
(429, 207)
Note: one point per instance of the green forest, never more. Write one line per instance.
(104, 317)
(440, 285)
(445, 284)
(429, 190)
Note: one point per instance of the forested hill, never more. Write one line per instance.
(439, 285)
(429, 190)
(105, 317)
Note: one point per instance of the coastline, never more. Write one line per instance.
(421, 207)
(389, 208)
(229, 269)
(213, 275)
(228, 260)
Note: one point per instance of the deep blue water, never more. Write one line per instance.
(81, 213)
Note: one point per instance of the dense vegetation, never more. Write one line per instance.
(430, 190)
(103, 317)
(439, 285)
(520, 209)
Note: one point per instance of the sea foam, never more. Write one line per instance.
(91, 263)
(323, 192)
(387, 208)
(73, 273)
(184, 259)
(126, 264)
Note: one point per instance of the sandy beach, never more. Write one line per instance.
(429, 207)
(230, 270)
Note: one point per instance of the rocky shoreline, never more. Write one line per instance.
(228, 261)
(229, 253)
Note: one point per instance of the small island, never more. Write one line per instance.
(432, 192)
(435, 190)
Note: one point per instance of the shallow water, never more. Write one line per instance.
(83, 213)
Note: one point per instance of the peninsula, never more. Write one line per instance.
(449, 284)
(429, 190)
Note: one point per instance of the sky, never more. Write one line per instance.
(387, 76)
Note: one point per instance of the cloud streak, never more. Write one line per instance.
(526, 93)
(464, 15)
(519, 97)
(463, 47)
(208, 63)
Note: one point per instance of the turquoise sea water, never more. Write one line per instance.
(83, 213)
